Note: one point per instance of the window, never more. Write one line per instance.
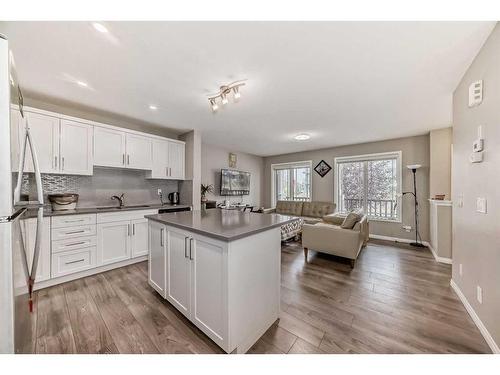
(371, 182)
(291, 181)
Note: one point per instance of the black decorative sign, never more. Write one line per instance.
(322, 168)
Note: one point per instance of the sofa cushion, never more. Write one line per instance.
(289, 208)
(351, 219)
(317, 209)
(311, 220)
(336, 219)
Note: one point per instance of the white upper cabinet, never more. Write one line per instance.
(45, 135)
(139, 152)
(76, 148)
(176, 154)
(160, 159)
(109, 147)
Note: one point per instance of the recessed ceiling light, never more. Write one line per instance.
(100, 27)
(153, 107)
(81, 83)
(302, 137)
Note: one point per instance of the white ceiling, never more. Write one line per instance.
(341, 82)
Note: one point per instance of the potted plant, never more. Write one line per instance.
(204, 190)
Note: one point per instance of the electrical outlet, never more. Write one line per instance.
(460, 202)
(460, 269)
(481, 205)
(479, 294)
(159, 192)
(407, 228)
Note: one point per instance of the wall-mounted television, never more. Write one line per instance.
(234, 182)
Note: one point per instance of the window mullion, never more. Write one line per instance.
(365, 178)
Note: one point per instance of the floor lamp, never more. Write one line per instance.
(414, 168)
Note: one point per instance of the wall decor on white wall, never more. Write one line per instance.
(322, 168)
(232, 160)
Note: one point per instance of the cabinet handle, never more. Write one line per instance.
(170, 171)
(185, 247)
(191, 248)
(76, 231)
(55, 162)
(133, 229)
(161, 237)
(128, 159)
(128, 229)
(123, 159)
(75, 243)
(63, 163)
(74, 221)
(75, 261)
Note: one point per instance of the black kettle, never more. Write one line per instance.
(173, 198)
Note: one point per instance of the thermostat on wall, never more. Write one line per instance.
(476, 93)
(476, 157)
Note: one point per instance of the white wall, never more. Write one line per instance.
(214, 158)
(476, 236)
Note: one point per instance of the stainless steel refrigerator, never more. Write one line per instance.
(17, 263)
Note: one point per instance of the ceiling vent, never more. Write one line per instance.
(475, 93)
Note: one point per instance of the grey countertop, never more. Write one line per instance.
(225, 225)
(93, 210)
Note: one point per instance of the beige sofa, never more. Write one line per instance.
(328, 237)
(306, 212)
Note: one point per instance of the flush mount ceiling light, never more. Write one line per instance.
(82, 84)
(302, 137)
(153, 107)
(99, 27)
(223, 93)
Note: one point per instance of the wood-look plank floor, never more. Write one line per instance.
(397, 299)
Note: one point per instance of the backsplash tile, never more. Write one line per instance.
(96, 190)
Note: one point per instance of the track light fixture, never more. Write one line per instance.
(214, 105)
(223, 93)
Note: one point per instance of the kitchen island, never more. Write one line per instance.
(221, 269)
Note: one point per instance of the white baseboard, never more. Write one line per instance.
(405, 240)
(482, 328)
(395, 239)
(438, 258)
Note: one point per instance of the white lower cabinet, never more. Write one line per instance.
(122, 236)
(72, 261)
(196, 280)
(113, 242)
(139, 237)
(157, 261)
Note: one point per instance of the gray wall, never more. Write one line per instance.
(414, 150)
(215, 158)
(440, 162)
(476, 241)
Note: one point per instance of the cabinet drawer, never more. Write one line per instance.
(72, 220)
(109, 217)
(73, 243)
(72, 232)
(73, 261)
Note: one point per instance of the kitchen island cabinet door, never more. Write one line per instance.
(209, 287)
(139, 237)
(157, 261)
(113, 242)
(179, 271)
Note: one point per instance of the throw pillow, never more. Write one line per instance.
(350, 220)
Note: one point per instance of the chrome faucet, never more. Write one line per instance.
(119, 198)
